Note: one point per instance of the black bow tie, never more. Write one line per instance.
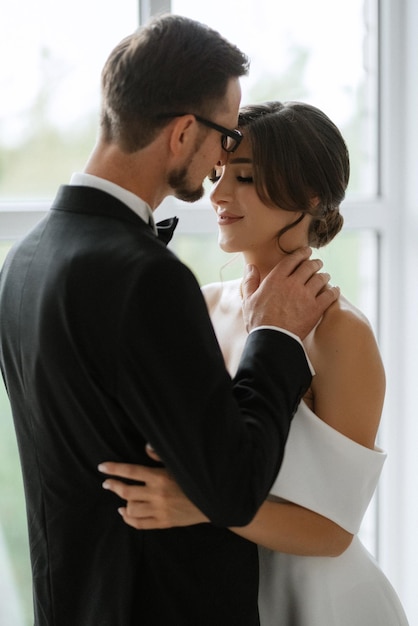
(166, 228)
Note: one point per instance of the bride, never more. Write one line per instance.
(281, 190)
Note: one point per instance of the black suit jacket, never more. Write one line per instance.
(106, 344)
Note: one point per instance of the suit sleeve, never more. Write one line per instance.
(222, 439)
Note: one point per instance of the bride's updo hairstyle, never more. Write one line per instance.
(300, 163)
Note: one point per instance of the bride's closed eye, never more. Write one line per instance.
(216, 174)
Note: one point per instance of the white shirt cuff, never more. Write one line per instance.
(287, 332)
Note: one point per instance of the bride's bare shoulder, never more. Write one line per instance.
(343, 329)
(343, 314)
(214, 293)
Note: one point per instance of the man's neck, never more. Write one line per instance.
(139, 172)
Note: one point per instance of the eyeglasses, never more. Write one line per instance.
(230, 139)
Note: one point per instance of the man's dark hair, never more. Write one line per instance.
(172, 64)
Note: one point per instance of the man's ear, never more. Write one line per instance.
(183, 134)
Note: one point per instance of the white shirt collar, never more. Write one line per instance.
(138, 206)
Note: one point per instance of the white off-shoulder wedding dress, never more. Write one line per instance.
(325, 471)
(329, 473)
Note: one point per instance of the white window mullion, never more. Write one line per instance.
(147, 8)
(17, 219)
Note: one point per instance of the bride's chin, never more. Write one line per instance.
(227, 246)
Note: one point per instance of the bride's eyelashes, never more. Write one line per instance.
(214, 176)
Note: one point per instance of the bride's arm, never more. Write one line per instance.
(287, 527)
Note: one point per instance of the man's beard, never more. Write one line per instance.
(177, 179)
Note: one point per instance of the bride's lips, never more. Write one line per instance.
(226, 219)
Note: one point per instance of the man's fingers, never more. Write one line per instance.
(251, 281)
(318, 281)
(151, 452)
(297, 261)
(305, 270)
(324, 294)
(139, 473)
(297, 265)
(125, 470)
(291, 262)
(124, 491)
(142, 523)
(135, 508)
(326, 297)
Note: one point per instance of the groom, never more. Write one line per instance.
(106, 344)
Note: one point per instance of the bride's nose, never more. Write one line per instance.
(221, 192)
